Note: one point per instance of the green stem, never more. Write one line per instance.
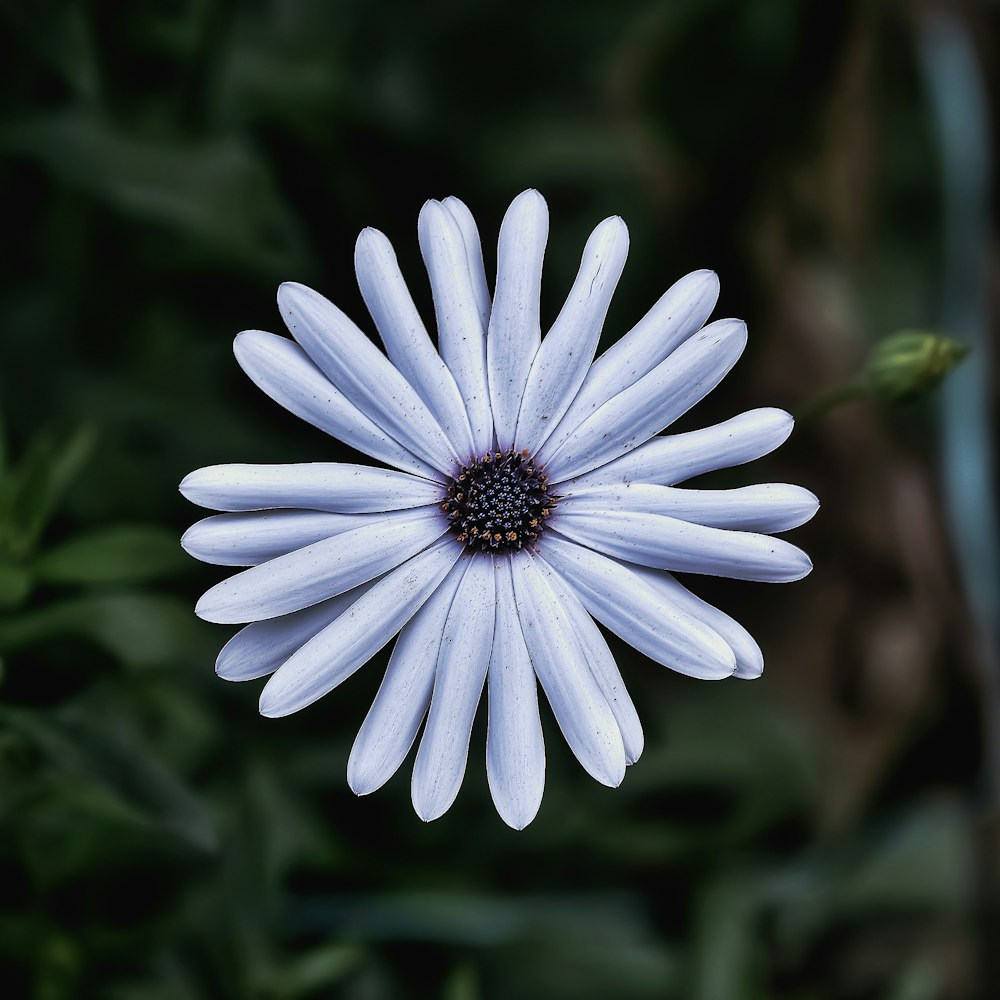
(828, 400)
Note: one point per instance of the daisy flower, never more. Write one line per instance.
(524, 496)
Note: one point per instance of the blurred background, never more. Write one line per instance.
(829, 831)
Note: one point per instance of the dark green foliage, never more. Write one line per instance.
(812, 835)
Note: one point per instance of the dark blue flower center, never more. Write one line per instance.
(499, 502)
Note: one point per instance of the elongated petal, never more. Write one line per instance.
(282, 370)
(655, 401)
(630, 608)
(677, 315)
(678, 457)
(332, 655)
(260, 648)
(392, 724)
(474, 252)
(406, 342)
(579, 705)
(321, 570)
(515, 749)
(769, 507)
(667, 543)
(561, 362)
(246, 539)
(461, 334)
(605, 670)
(461, 670)
(357, 367)
(515, 328)
(749, 659)
(332, 486)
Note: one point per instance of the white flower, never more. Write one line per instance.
(527, 495)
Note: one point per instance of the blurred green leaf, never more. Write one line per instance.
(920, 863)
(314, 970)
(553, 935)
(917, 981)
(59, 964)
(3, 446)
(33, 490)
(93, 764)
(216, 193)
(696, 795)
(168, 982)
(60, 37)
(120, 554)
(462, 984)
(478, 919)
(723, 955)
(15, 585)
(139, 629)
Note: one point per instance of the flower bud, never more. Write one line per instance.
(908, 364)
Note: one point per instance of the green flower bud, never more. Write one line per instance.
(910, 363)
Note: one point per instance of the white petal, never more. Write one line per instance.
(281, 369)
(561, 362)
(461, 334)
(677, 315)
(655, 401)
(321, 570)
(579, 705)
(678, 457)
(749, 659)
(631, 609)
(360, 370)
(474, 252)
(667, 543)
(246, 539)
(515, 750)
(332, 486)
(515, 329)
(406, 342)
(391, 725)
(331, 656)
(458, 685)
(605, 670)
(769, 507)
(260, 648)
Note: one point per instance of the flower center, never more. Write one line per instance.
(499, 503)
